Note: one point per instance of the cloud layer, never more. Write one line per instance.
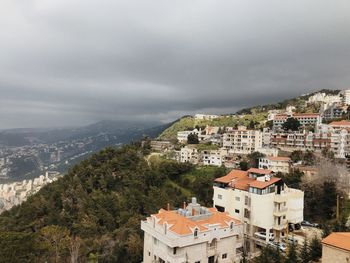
(72, 62)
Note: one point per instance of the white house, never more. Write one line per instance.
(275, 164)
(192, 234)
(182, 135)
(242, 140)
(189, 154)
(260, 200)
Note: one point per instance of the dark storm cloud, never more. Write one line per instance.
(73, 62)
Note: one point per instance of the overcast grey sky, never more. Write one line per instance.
(72, 62)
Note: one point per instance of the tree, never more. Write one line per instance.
(292, 256)
(309, 158)
(243, 165)
(315, 249)
(55, 240)
(254, 159)
(305, 253)
(192, 138)
(291, 124)
(296, 156)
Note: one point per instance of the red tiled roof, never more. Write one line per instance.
(339, 240)
(182, 225)
(342, 123)
(234, 174)
(262, 185)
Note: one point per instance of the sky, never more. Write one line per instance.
(74, 62)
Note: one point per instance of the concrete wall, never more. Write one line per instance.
(334, 255)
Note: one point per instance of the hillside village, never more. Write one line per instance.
(262, 149)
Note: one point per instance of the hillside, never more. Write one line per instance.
(94, 211)
(250, 117)
(189, 123)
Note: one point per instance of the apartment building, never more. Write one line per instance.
(261, 201)
(346, 94)
(193, 234)
(336, 248)
(305, 119)
(275, 164)
(182, 135)
(213, 157)
(189, 154)
(160, 146)
(242, 140)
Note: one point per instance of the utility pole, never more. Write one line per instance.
(337, 212)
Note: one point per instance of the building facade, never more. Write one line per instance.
(193, 234)
(261, 201)
(242, 140)
(275, 164)
(336, 248)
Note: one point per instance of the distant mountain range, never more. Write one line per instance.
(123, 131)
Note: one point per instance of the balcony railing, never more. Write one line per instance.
(280, 212)
(280, 198)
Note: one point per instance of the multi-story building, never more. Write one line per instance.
(161, 146)
(275, 164)
(206, 116)
(305, 119)
(333, 112)
(189, 154)
(260, 200)
(192, 234)
(242, 140)
(213, 157)
(183, 135)
(336, 248)
(346, 94)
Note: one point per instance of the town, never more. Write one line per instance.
(254, 207)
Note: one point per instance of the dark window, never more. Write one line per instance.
(237, 211)
(224, 255)
(174, 250)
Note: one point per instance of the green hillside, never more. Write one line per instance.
(188, 123)
(94, 212)
(253, 117)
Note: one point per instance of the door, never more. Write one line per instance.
(211, 259)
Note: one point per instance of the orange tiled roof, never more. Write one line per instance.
(234, 174)
(259, 171)
(182, 225)
(340, 123)
(339, 240)
(262, 185)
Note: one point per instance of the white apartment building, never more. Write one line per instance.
(206, 116)
(305, 119)
(275, 164)
(346, 94)
(261, 201)
(242, 141)
(182, 135)
(194, 234)
(214, 157)
(189, 154)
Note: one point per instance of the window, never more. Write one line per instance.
(237, 211)
(195, 233)
(197, 261)
(224, 255)
(231, 225)
(149, 253)
(219, 196)
(237, 198)
(174, 250)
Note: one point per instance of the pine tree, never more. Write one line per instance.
(292, 256)
(315, 249)
(305, 253)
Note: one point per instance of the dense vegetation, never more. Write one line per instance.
(94, 211)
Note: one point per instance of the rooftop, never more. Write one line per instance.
(240, 179)
(338, 239)
(342, 123)
(194, 216)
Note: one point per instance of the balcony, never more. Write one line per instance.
(280, 226)
(280, 198)
(280, 212)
